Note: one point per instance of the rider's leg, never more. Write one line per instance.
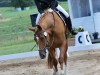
(68, 20)
(63, 11)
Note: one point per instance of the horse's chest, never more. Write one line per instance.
(57, 43)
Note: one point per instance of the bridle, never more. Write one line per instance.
(47, 46)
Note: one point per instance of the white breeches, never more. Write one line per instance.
(59, 8)
(63, 11)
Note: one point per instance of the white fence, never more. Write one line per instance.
(35, 53)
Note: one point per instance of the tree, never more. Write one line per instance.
(26, 3)
(22, 3)
(16, 3)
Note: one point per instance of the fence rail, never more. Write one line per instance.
(35, 53)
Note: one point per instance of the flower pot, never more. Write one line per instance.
(95, 36)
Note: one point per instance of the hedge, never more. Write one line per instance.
(22, 3)
(5, 3)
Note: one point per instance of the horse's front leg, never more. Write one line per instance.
(63, 58)
(52, 61)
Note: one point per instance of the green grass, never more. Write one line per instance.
(14, 34)
(15, 29)
(20, 48)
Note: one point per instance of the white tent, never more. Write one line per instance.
(85, 13)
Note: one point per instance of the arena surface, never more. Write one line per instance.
(79, 63)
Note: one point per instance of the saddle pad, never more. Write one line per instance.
(62, 16)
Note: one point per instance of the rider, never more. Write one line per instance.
(53, 4)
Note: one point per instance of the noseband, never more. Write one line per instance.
(46, 46)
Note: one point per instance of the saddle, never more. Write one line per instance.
(60, 14)
(33, 19)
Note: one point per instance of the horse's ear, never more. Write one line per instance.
(39, 27)
(32, 29)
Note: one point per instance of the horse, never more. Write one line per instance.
(49, 34)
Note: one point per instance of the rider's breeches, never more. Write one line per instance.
(63, 11)
(59, 8)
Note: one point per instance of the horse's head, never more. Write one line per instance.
(40, 40)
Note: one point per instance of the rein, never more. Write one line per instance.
(46, 45)
(33, 47)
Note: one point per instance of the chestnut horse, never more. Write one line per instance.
(50, 33)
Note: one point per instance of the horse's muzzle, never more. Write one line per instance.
(42, 54)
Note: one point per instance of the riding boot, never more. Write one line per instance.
(69, 24)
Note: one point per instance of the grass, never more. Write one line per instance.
(14, 34)
(20, 48)
(15, 29)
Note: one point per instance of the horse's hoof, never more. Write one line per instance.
(55, 73)
(62, 72)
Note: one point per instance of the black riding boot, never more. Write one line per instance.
(69, 24)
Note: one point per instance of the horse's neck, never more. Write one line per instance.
(46, 19)
(50, 21)
(58, 21)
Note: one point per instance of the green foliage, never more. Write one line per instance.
(26, 3)
(16, 3)
(79, 29)
(22, 3)
(5, 3)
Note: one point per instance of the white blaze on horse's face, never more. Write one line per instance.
(45, 33)
(37, 38)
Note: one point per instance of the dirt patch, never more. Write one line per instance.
(79, 63)
(84, 63)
